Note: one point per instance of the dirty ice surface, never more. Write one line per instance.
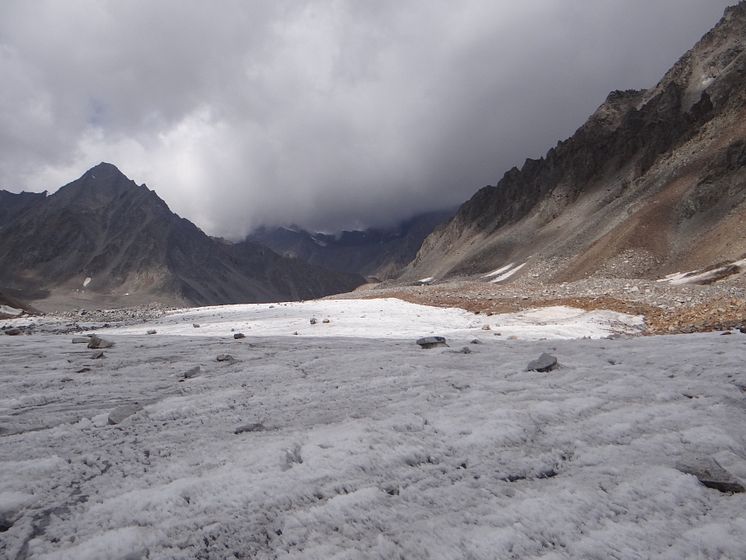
(349, 441)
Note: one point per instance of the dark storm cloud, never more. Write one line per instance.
(327, 114)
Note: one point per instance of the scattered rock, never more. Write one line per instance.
(432, 341)
(225, 358)
(313, 320)
(253, 427)
(293, 456)
(238, 335)
(82, 370)
(710, 473)
(97, 342)
(295, 333)
(152, 331)
(97, 355)
(190, 373)
(486, 328)
(122, 412)
(81, 339)
(326, 321)
(475, 341)
(195, 325)
(13, 331)
(545, 362)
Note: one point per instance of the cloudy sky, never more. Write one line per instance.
(328, 114)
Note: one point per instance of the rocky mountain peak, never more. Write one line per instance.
(655, 173)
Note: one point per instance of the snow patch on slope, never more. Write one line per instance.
(504, 274)
(706, 276)
(383, 319)
(10, 311)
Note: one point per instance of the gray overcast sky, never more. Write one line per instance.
(327, 114)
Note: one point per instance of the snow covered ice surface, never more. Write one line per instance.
(356, 443)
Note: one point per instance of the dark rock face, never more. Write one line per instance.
(670, 158)
(124, 238)
(378, 253)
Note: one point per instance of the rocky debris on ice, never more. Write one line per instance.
(252, 427)
(13, 331)
(151, 331)
(432, 342)
(545, 362)
(123, 412)
(225, 358)
(98, 342)
(195, 325)
(313, 320)
(238, 336)
(711, 474)
(191, 372)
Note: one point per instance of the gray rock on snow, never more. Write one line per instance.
(225, 358)
(432, 341)
(97, 355)
(253, 427)
(313, 320)
(195, 325)
(190, 373)
(238, 336)
(711, 474)
(545, 362)
(98, 342)
(13, 331)
(152, 331)
(120, 413)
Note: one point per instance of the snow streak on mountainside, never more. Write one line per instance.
(652, 184)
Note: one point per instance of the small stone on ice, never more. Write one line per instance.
(195, 325)
(121, 412)
(193, 372)
(152, 331)
(97, 342)
(225, 358)
(313, 321)
(253, 427)
(239, 335)
(432, 341)
(545, 362)
(711, 474)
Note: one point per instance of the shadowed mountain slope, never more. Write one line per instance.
(653, 183)
(104, 235)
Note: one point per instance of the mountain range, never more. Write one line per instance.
(653, 183)
(377, 253)
(105, 238)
